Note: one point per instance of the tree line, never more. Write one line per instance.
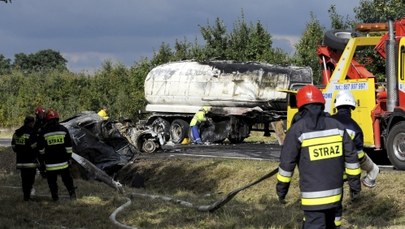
(43, 78)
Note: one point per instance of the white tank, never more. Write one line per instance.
(221, 83)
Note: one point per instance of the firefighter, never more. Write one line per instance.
(55, 146)
(40, 114)
(103, 113)
(345, 103)
(24, 144)
(323, 150)
(198, 119)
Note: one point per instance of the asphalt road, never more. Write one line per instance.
(5, 142)
(253, 151)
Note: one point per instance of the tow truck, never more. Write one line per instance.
(380, 105)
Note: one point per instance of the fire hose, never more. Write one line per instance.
(102, 176)
(203, 208)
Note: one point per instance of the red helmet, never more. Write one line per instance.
(39, 110)
(51, 114)
(309, 94)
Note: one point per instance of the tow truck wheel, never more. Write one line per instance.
(178, 130)
(396, 146)
(338, 38)
(149, 146)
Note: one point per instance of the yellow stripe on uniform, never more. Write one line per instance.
(283, 179)
(322, 200)
(353, 172)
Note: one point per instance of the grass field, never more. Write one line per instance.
(194, 180)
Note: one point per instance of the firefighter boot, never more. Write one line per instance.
(372, 172)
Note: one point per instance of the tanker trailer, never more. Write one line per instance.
(241, 95)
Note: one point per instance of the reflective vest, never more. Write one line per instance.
(199, 117)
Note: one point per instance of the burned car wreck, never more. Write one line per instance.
(110, 145)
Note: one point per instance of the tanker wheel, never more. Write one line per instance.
(396, 146)
(179, 130)
(149, 146)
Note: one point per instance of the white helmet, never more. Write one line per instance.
(345, 98)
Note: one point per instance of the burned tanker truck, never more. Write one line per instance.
(242, 96)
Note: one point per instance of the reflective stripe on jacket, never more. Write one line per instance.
(55, 146)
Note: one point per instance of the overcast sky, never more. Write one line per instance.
(89, 32)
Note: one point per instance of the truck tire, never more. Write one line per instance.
(239, 130)
(338, 38)
(179, 130)
(396, 146)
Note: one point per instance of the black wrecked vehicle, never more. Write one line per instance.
(109, 145)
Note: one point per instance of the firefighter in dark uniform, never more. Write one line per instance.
(56, 151)
(24, 144)
(323, 151)
(345, 103)
(40, 114)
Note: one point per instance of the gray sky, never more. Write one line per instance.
(89, 32)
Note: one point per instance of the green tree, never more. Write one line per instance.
(338, 21)
(216, 40)
(164, 55)
(246, 42)
(371, 11)
(239, 39)
(182, 50)
(43, 60)
(306, 48)
(5, 65)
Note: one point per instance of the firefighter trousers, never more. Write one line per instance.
(27, 181)
(320, 219)
(52, 178)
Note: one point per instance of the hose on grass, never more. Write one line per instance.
(119, 209)
(215, 205)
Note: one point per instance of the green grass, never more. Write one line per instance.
(200, 182)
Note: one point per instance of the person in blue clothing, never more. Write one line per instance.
(198, 119)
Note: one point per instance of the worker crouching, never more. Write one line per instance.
(323, 150)
(198, 119)
(56, 150)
